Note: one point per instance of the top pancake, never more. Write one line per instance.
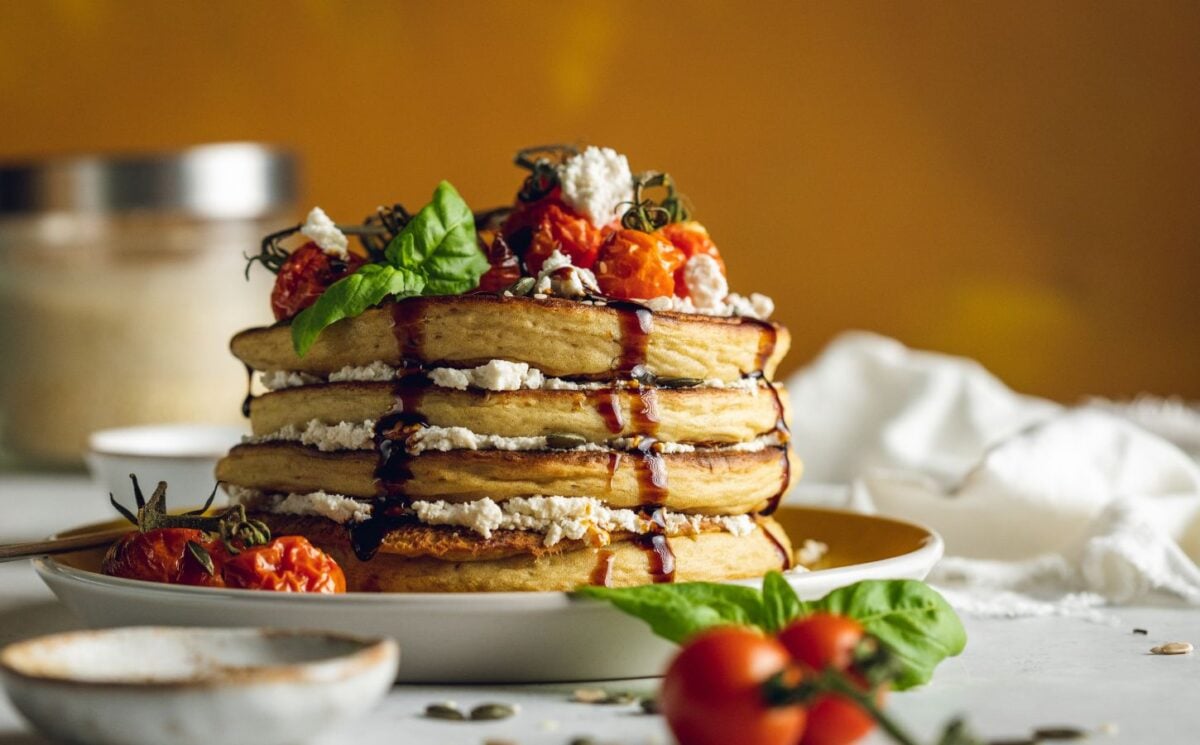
(562, 338)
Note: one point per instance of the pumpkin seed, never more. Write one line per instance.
(564, 441)
(679, 382)
(446, 711)
(588, 695)
(1173, 648)
(582, 741)
(1059, 733)
(492, 711)
(651, 706)
(619, 698)
(522, 286)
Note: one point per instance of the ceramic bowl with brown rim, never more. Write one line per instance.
(187, 686)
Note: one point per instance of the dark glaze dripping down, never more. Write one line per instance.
(392, 471)
(249, 396)
(607, 402)
(408, 327)
(636, 322)
(367, 536)
(766, 342)
(652, 474)
(785, 557)
(781, 428)
(660, 556)
(602, 573)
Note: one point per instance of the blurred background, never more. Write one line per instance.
(1018, 182)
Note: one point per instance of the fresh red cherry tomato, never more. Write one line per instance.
(820, 641)
(632, 264)
(162, 555)
(289, 564)
(712, 691)
(306, 274)
(691, 238)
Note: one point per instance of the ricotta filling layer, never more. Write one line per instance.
(361, 436)
(557, 518)
(496, 375)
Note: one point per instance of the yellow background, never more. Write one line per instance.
(1018, 182)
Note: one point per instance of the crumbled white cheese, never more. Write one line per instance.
(571, 518)
(560, 278)
(361, 436)
(325, 234)
(756, 306)
(596, 183)
(496, 375)
(705, 281)
(336, 507)
(377, 371)
(277, 380)
(322, 436)
(811, 552)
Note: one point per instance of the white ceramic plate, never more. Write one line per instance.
(149, 686)
(489, 637)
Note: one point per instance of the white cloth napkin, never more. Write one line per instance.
(1044, 509)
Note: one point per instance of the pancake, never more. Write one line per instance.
(516, 561)
(704, 481)
(723, 415)
(560, 337)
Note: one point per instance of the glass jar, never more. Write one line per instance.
(121, 282)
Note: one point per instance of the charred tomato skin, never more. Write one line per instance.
(632, 264)
(162, 555)
(306, 274)
(287, 564)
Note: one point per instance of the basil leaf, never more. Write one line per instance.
(781, 605)
(440, 243)
(349, 297)
(677, 612)
(908, 617)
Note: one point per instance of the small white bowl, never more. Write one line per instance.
(183, 455)
(157, 685)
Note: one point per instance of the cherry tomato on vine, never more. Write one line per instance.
(825, 640)
(632, 264)
(562, 229)
(691, 238)
(162, 555)
(289, 564)
(712, 692)
(306, 274)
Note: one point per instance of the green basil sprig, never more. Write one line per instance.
(436, 253)
(908, 617)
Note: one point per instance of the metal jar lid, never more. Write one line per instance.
(223, 181)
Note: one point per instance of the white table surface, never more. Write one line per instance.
(1014, 676)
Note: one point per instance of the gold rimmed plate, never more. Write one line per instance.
(486, 637)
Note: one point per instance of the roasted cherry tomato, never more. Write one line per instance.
(825, 640)
(505, 267)
(691, 238)
(289, 564)
(162, 555)
(632, 264)
(562, 229)
(518, 227)
(712, 691)
(306, 274)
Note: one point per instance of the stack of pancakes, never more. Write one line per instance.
(491, 442)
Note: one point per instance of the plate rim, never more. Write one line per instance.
(930, 551)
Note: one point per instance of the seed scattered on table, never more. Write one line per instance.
(500, 742)
(485, 712)
(650, 706)
(1059, 733)
(447, 711)
(582, 741)
(1140, 632)
(1018, 741)
(1173, 648)
(588, 695)
(620, 698)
